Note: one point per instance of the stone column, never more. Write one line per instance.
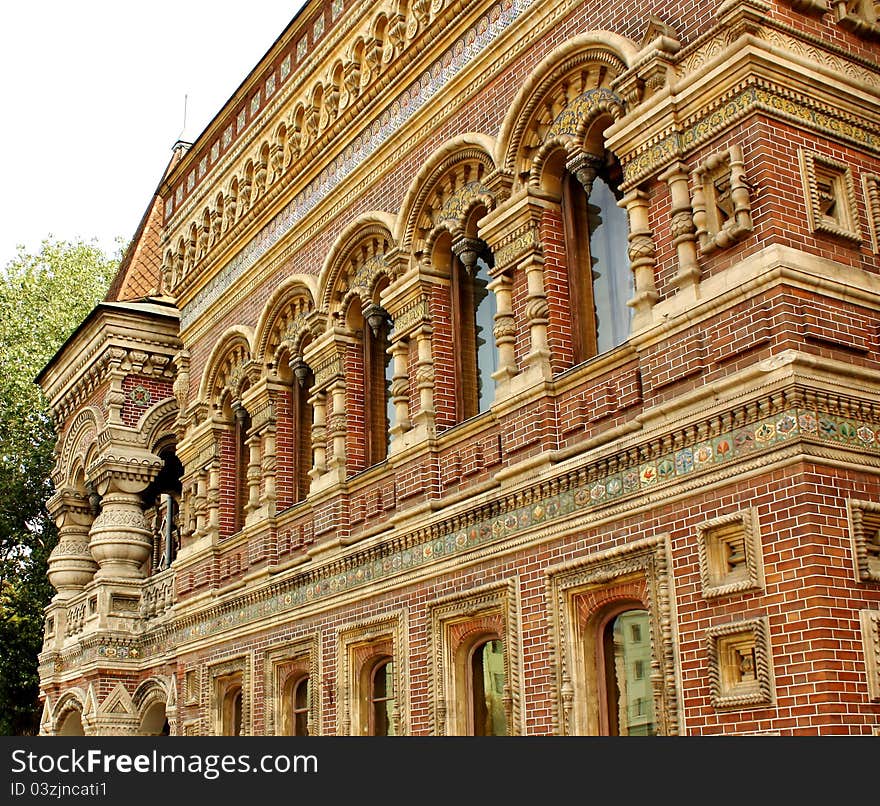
(261, 401)
(267, 469)
(400, 387)
(424, 418)
(120, 539)
(252, 475)
(513, 232)
(505, 328)
(684, 238)
(210, 479)
(338, 427)
(537, 314)
(642, 258)
(71, 565)
(408, 303)
(319, 435)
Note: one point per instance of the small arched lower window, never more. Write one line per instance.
(299, 707)
(487, 713)
(232, 711)
(383, 703)
(626, 671)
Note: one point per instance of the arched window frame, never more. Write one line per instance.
(377, 382)
(582, 179)
(297, 712)
(302, 417)
(241, 421)
(468, 686)
(162, 498)
(596, 652)
(231, 706)
(372, 700)
(471, 261)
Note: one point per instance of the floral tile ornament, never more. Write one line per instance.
(684, 461)
(703, 455)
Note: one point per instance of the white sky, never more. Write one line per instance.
(93, 101)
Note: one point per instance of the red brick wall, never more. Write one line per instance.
(810, 599)
(157, 389)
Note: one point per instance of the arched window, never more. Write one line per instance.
(627, 702)
(596, 232)
(382, 700)
(371, 326)
(232, 709)
(299, 707)
(162, 499)
(486, 690)
(473, 317)
(301, 417)
(377, 380)
(242, 422)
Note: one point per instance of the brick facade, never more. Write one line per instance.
(745, 396)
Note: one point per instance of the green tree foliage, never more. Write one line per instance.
(43, 298)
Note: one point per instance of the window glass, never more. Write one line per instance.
(487, 681)
(629, 691)
(612, 278)
(384, 704)
(301, 707)
(485, 309)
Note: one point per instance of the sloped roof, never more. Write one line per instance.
(140, 272)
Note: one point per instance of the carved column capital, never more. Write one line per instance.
(585, 168)
(129, 470)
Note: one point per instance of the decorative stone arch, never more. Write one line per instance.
(230, 205)
(217, 217)
(568, 90)
(278, 156)
(151, 701)
(261, 170)
(333, 96)
(285, 319)
(295, 132)
(228, 364)
(70, 705)
(169, 271)
(78, 444)
(346, 272)
(314, 121)
(157, 422)
(446, 189)
(379, 27)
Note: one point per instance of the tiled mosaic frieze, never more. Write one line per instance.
(420, 94)
(578, 498)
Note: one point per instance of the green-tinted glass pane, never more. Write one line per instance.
(634, 707)
(490, 718)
